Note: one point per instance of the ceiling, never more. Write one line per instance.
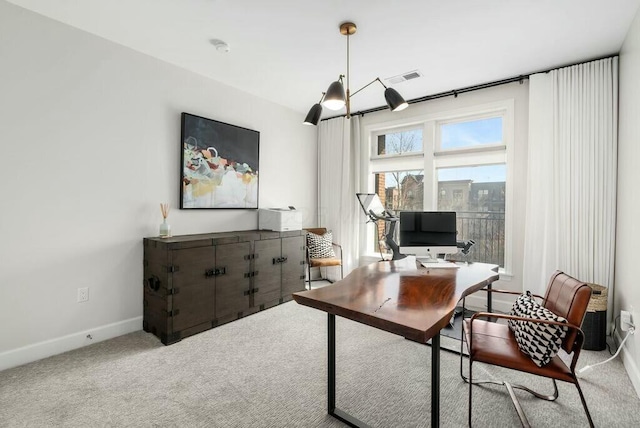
(289, 51)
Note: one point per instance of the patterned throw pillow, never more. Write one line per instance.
(320, 246)
(523, 301)
(541, 342)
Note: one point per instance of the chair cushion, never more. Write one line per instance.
(494, 343)
(320, 246)
(539, 341)
(324, 262)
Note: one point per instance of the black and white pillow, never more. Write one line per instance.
(541, 342)
(522, 305)
(320, 246)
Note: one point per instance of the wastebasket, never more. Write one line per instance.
(594, 325)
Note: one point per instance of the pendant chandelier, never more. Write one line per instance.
(336, 97)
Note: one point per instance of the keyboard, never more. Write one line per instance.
(439, 265)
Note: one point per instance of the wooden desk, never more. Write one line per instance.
(410, 301)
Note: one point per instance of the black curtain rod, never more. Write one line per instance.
(456, 92)
(453, 93)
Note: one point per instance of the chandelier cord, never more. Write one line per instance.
(348, 100)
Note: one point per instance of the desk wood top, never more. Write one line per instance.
(411, 301)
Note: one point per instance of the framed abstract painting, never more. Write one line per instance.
(219, 165)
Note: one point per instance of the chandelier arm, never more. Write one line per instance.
(377, 79)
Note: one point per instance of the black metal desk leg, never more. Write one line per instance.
(331, 370)
(435, 380)
(331, 379)
(489, 301)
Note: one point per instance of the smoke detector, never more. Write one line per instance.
(220, 45)
(409, 75)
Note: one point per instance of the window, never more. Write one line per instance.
(480, 207)
(399, 143)
(401, 190)
(480, 133)
(398, 176)
(449, 162)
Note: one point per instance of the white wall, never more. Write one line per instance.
(89, 147)
(519, 93)
(627, 279)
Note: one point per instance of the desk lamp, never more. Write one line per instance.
(373, 209)
(465, 246)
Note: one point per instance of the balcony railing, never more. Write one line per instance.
(487, 230)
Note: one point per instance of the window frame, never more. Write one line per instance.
(432, 158)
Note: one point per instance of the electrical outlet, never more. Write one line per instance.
(625, 320)
(83, 294)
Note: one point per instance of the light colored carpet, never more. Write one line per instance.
(269, 370)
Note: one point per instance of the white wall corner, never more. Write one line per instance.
(48, 348)
(629, 363)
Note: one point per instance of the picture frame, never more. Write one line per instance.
(219, 165)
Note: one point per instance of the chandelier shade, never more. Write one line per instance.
(336, 97)
(313, 117)
(395, 100)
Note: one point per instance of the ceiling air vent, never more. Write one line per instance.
(414, 74)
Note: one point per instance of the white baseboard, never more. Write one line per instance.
(47, 348)
(629, 363)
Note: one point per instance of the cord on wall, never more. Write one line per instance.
(630, 332)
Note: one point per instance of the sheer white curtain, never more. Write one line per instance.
(572, 164)
(338, 178)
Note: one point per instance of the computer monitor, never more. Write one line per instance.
(427, 234)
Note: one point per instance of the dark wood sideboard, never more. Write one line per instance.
(196, 282)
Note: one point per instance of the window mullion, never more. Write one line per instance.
(476, 159)
(430, 179)
(396, 164)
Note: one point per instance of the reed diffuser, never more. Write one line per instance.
(165, 228)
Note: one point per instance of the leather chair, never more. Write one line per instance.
(324, 262)
(491, 342)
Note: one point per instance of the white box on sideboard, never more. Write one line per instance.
(279, 219)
